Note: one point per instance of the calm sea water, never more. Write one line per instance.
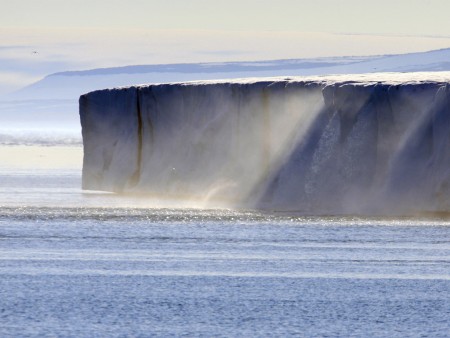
(98, 265)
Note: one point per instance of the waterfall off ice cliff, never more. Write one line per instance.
(355, 144)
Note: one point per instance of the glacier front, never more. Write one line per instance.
(356, 144)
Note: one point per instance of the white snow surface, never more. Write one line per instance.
(386, 78)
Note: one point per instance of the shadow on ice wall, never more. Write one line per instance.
(312, 147)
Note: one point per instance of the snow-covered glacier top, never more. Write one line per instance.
(340, 144)
(393, 78)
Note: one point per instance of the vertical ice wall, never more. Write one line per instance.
(314, 146)
(376, 148)
(110, 130)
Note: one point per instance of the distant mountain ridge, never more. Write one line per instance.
(219, 67)
(54, 99)
(71, 84)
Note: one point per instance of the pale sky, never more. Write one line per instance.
(39, 37)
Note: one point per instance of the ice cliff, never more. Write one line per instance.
(358, 144)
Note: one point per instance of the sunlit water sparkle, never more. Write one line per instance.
(92, 264)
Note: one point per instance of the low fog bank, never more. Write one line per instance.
(39, 136)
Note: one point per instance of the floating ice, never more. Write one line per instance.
(364, 144)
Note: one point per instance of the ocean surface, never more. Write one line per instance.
(90, 264)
